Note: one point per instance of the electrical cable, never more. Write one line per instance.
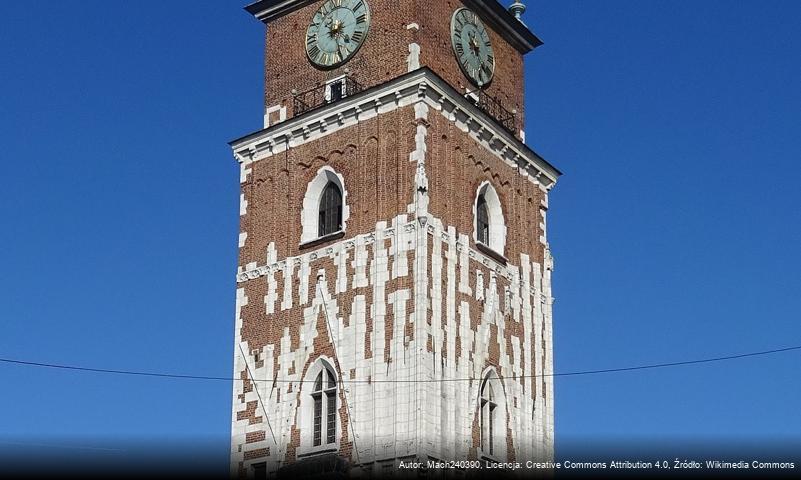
(470, 379)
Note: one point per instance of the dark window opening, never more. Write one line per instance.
(337, 91)
(330, 220)
(482, 217)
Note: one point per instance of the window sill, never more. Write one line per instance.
(491, 253)
(321, 240)
(315, 451)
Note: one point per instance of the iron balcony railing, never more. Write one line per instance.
(492, 107)
(322, 95)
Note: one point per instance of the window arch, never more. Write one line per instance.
(490, 229)
(319, 408)
(325, 206)
(330, 212)
(492, 417)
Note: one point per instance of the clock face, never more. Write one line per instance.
(337, 31)
(472, 46)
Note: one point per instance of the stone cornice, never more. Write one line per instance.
(512, 29)
(268, 10)
(420, 85)
(253, 271)
(491, 11)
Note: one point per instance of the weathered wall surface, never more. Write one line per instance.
(404, 300)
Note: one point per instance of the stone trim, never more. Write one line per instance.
(420, 85)
(489, 259)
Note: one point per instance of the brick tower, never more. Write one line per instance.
(394, 283)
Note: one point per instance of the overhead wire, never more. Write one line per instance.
(29, 363)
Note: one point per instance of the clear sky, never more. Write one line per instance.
(676, 228)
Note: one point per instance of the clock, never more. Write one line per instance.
(336, 32)
(472, 46)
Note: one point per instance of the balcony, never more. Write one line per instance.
(492, 107)
(330, 92)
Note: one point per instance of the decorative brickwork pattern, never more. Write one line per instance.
(403, 304)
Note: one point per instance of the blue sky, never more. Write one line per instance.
(676, 228)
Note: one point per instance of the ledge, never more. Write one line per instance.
(317, 451)
(321, 240)
(491, 253)
(491, 260)
(512, 29)
(268, 10)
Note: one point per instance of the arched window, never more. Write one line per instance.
(318, 409)
(489, 412)
(325, 206)
(330, 213)
(324, 397)
(490, 230)
(482, 221)
(492, 417)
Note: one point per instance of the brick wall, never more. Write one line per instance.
(368, 285)
(384, 54)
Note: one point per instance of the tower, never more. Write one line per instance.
(394, 283)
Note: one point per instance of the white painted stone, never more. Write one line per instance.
(410, 416)
(413, 61)
(243, 205)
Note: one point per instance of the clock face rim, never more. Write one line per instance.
(474, 81)
(325, 66)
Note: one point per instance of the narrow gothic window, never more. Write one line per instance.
(489, 408)
(330, 220)
(482, 226)
(325, 400)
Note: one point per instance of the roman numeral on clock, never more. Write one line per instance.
(336, 31)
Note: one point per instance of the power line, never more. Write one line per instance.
(677, 364)
(562, 374)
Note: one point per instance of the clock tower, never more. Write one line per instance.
(393, 297)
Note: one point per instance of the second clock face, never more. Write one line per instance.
(472, 46)
(336, 32)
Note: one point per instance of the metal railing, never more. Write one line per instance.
(324, 94)
(494, 108)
